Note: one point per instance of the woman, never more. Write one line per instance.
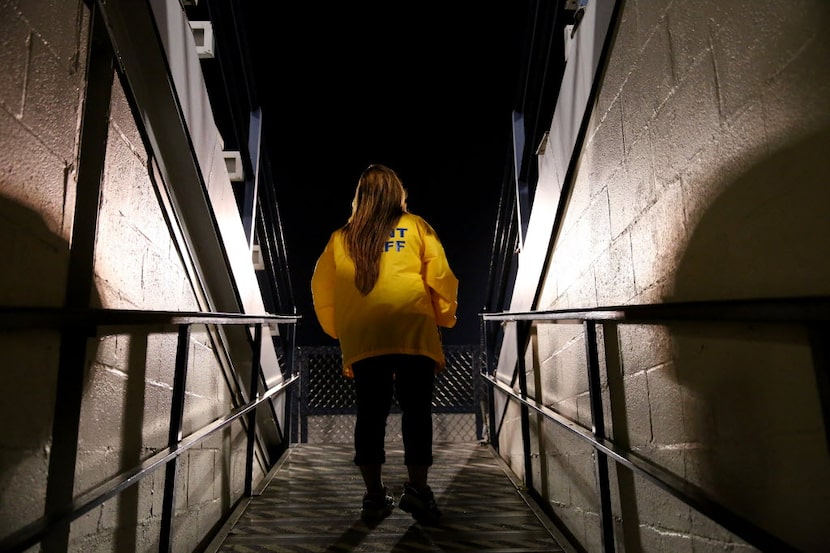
(382, 287)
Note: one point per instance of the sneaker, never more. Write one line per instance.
(420, 504)
(376, 507)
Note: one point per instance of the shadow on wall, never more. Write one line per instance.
(768, 233)
(35, 274)
(35, 261)
(748, 392)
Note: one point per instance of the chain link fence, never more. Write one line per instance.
(324, 410)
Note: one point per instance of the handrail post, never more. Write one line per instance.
(486, 366)
(174, 436)
(253, 395)
(292, 398)
(606, 520)
(303, 395)
(818, 334)
(522, 332)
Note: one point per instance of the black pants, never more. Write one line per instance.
(410, 378)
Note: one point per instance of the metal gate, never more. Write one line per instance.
(325, 407)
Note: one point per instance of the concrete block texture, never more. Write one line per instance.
(33, 200)
(44, 50)
(24, 486)
(40, 97)
(702, 177)
(128, 377)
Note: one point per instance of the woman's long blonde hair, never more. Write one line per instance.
(379, 201)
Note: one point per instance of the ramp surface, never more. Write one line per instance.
(312, 504)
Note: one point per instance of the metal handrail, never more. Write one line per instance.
(89, 322)
(812, 311)
(56, 317)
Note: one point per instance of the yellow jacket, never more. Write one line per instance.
(416, 292)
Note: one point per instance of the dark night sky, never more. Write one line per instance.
(426, 90)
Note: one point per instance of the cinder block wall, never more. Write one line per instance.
(128, 380)
(41, 84)
(703, 177)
